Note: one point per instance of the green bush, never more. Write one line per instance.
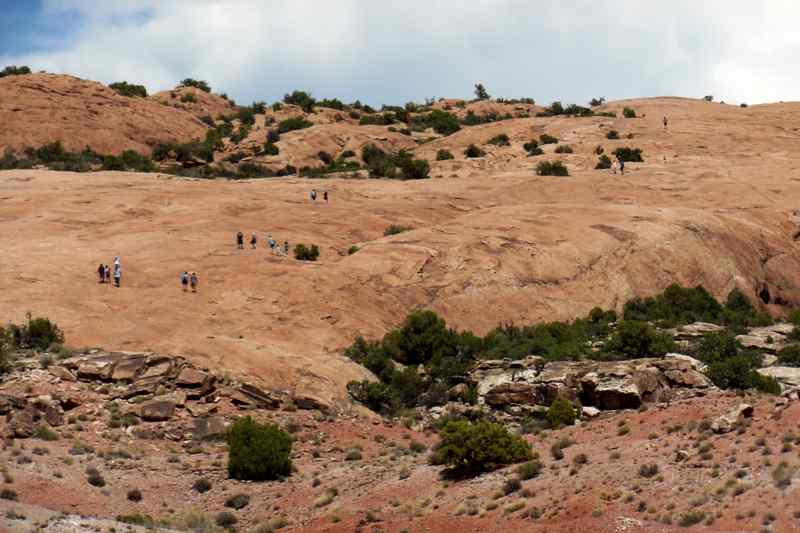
(560, 413)
(189, 98)
(302, 99)
(38, 334)
(442, 122)
(471, 448)
(544, 138)
(410, 168)
(292, 124)
(603, 162)
(597, 101)
(271, 149)
(481, 93)
(332, 103)
(201, 485)
(444, 155)
(14, 70)
(198, 84)
(499, 140)
(629, 154)
(238, 501)
(675, 306)
(394, 229)
(628, 112)
(612, 135)
(529, 470)
(532, 147)
(473, 151)
(306, 253)
(128, 89)
(552, 168)
(563, 149)
(633, 339)
(790, 356)
(258, 452)
(225, 519)
(730, 366)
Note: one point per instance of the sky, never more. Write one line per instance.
(394, 52)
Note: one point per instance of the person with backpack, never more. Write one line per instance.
(622, 166)
(194, 281)
(101, 273)
(117, 272)
(325, 196)
(240, 240)
(253, 240)
(271, 242)
(314, 195)
(107, 274)
(665, 122)
(184, 280)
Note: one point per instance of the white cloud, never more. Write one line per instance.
(393, 52)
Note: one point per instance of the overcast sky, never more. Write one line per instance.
(393, 52)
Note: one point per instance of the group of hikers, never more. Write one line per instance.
(187, 280)
(272, 243)
(313, 195)
(105, 273)
(620, 163)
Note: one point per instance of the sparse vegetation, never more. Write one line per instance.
(544, 138)
(612, 135)
(603, 162)
(238, 501)
(628, 112)
(473, 151)
(532, 147)
(499, 140)
(198, 84)
(306, 253)
(560, 413)
(563, 149)
(470, 448)
(442, 122)
(201, 485)
(14, 70)
(302, 99)
(128, 89)
(394, 229)
(629, 154)
(444, 155)
(293, 124)
(551, 168)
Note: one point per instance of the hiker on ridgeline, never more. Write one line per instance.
(253, 240)
(194, 281)
(271, 242)
(184, 280)
(665, 122)
(240, 240)
(101, 273)
(286, 248)
(325, 196)
(314, 195)
(117, 271)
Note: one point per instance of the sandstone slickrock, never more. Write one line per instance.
(62, 373)
(787, 376)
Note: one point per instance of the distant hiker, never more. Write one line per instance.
(107, 274)
(101, 273)
(665, 122)
(314, 195)
(185, 280)
(253, 240)
(286, 247)
(614, 166)
(325, 196)
(271, 243)
(240, 240)
(117, 271)
(194, 281)
(622, 166)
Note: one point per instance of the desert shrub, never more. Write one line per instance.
(353, 249)
(14, 70)
(532, 147)
(544, 138)
(563, 149)
(198, 84)
(332, 103)
(442, 122)
(325, 157)
(628, 112)
(551, 168)
(410, 168)
(273, 136)
(471, 448)
(302, 99)
(134, 495)
(246, 115)
(258, 452)
(481, 93)
(271, 149)
(292, 124)
(225, 519)
(237, 501)
(790, 356)
(511, 485)
(629, 154)
(648, 470)
(612, 135)
(94, 478)
(471, 119)
(499, 140)
(128, 89)
(473, 151)
(306, 253)
(603, 162)
(394, 229)
(384, 119)
(444, 155)
(556, 452)
(675, 306)
(189, 98)
(594, 102)
(529, 470)
(8, 494)
(201, 485)
(38, 333)
(43, 432)
(353, 455)
(691, 518)
(560, 413)
(633, 339)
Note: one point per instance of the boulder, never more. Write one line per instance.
(69, 400)
(729, 420)
(210, 427)
(512, 394)
(696, 330)
(617, 393)
(769, 343)
(142, 387)
(157, 410)
(10, 403)
(127, 368)
(97, 368)
(589, 412)
(192, 379)
(21, 424)
(62, 373)
(258, 396)
(787, 376)
(458, 392)
(201, 409)
(157, 366)
(53, 415)
(308, 402)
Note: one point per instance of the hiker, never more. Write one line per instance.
(240, 240)
(325, 196)
(253, 240)
(622, 166)
(107, 274)
(614, 166)
(194, 281)
(665, 122)
(286, 248)
(271, 243)
(101, 273)
(117, 271)
(314, 195)
(184, 280)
